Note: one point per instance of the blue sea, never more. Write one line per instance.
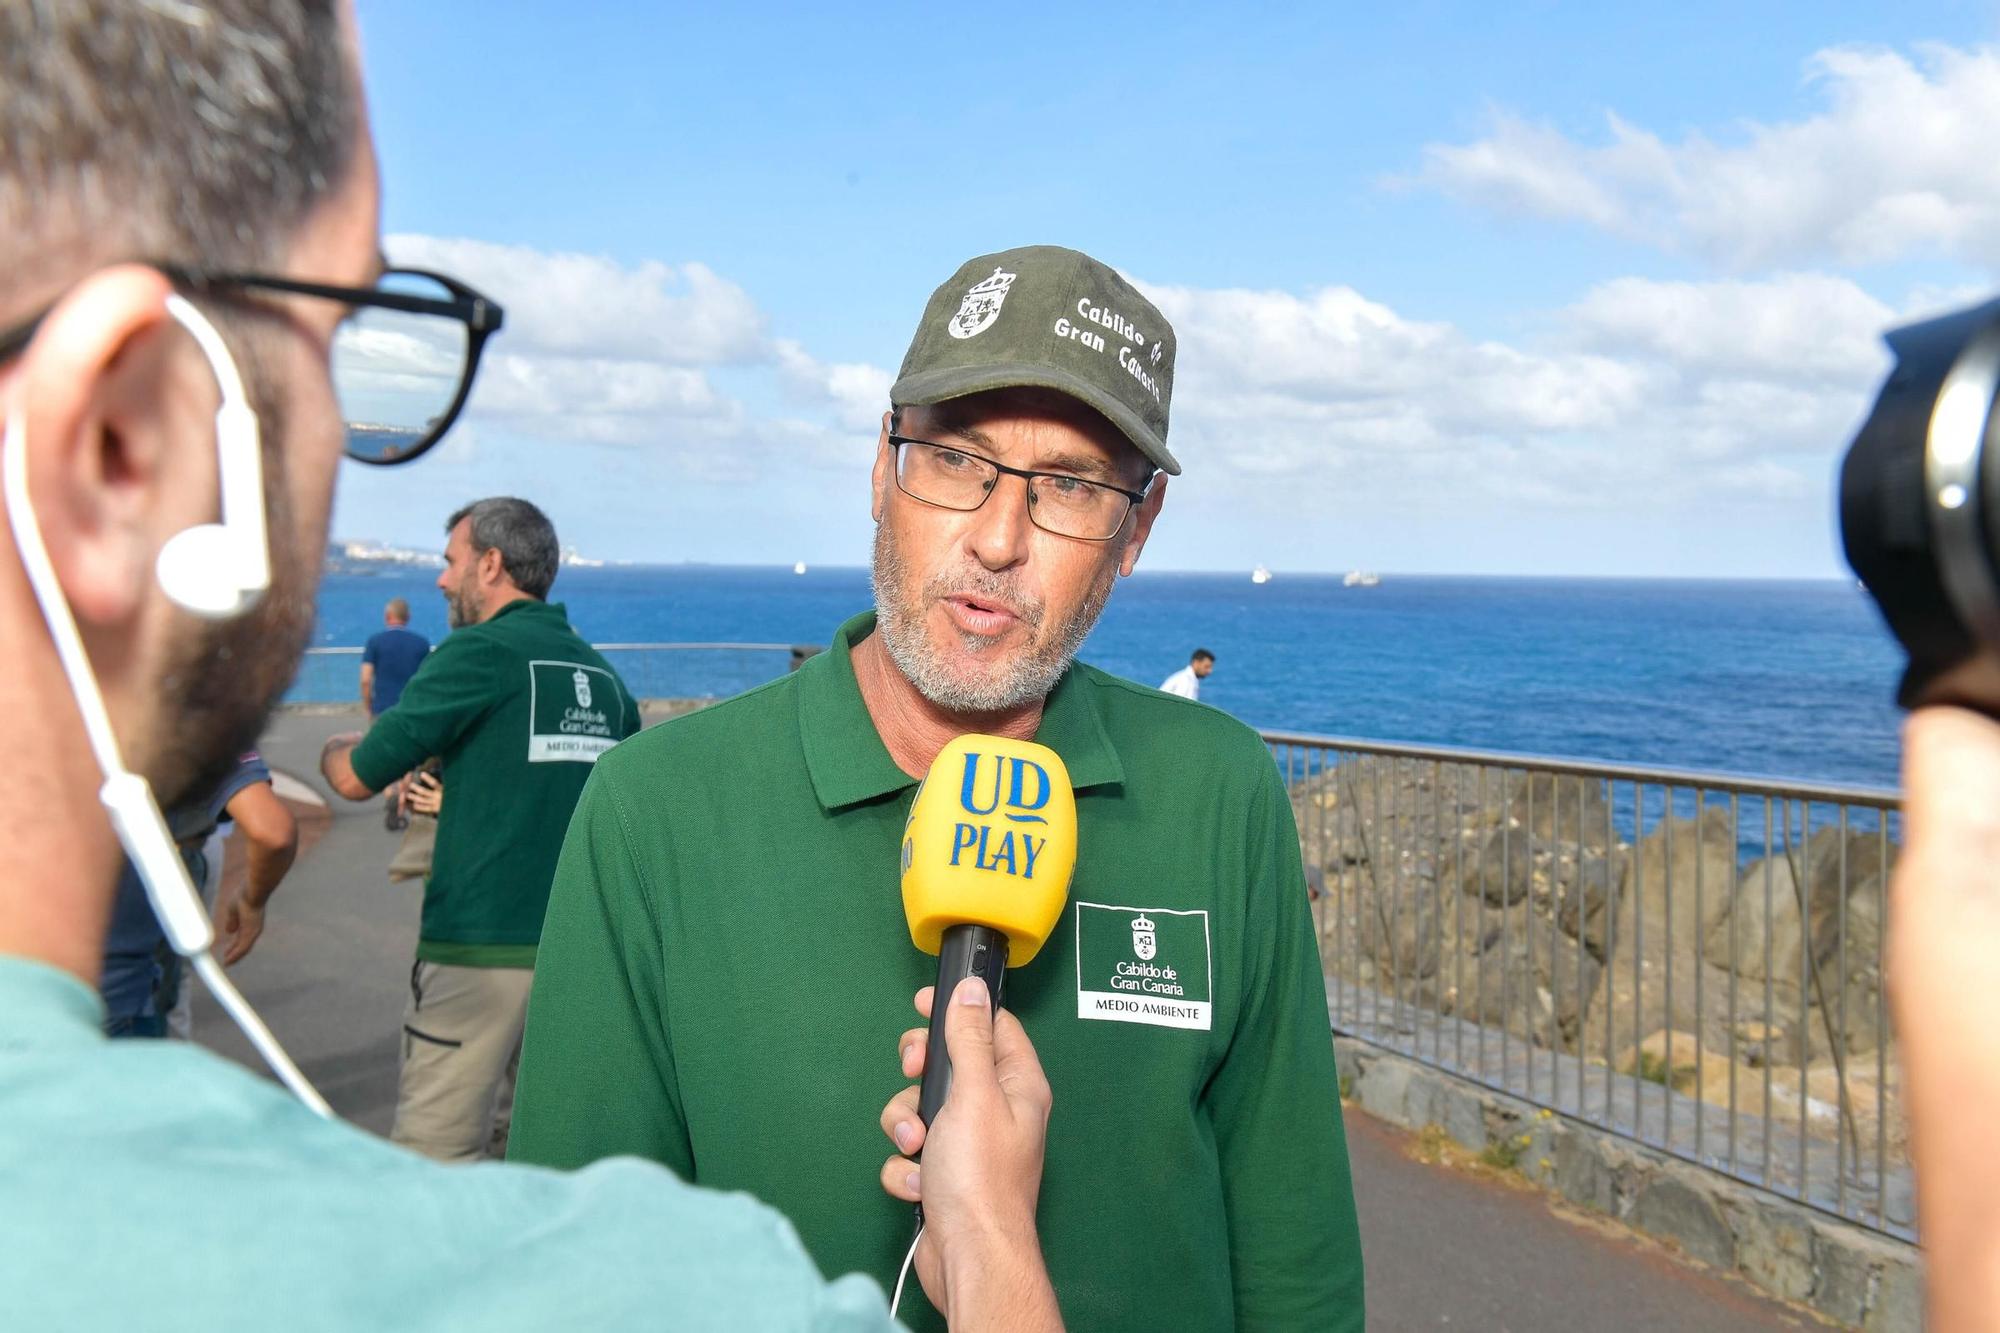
(1781, 679)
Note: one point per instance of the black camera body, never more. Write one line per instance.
(1920, 507)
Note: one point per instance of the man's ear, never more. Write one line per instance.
(102, 392)
(493, 567)
(1143, 515)
(879, 479)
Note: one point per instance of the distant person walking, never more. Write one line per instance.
(1187, 681)
(391, 657)
(518, 707)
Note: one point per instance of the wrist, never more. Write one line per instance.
(995, 1278)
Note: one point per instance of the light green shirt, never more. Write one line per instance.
(152, 1185)
(726, 966)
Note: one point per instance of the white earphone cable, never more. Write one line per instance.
(127, 796)
(904, 1275)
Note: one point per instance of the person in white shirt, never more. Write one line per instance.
(1187, 681)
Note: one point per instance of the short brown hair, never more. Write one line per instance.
(199, 131)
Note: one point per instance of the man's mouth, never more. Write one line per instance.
(980, 615)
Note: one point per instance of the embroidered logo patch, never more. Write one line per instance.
(981, 305)
(1143, 965)
(572, 712)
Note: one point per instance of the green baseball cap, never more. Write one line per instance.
(1045, 317)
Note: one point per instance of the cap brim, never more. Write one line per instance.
(942, 385)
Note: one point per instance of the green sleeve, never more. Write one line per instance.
(451, 691)
(1294, 1244)
(597, 1076)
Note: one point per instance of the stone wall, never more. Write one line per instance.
(1845, 1273)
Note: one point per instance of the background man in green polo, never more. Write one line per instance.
(726, 942)
(518, 707)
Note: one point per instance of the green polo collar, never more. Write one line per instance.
(849, 764)
(524, 603)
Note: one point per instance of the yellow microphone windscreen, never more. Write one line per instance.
(991, 841)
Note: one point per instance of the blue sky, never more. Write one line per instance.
(1549, 289)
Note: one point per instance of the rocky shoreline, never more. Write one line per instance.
(1515, 900)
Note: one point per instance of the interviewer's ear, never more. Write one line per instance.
(118, 408)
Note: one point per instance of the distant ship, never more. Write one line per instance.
(577, 560)
(1360, 578)
(1260, 575)
(799, 568)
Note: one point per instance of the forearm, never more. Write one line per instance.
(1000, 1285)
(1944, 926)
(336, 765)
(268, 865)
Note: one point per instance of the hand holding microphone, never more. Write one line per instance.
(980, 1258)
(988, 851)
(987, 855)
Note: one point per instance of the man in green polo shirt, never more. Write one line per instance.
(726, 942)
(518, 707)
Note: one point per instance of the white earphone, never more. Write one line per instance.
(219, 570)
(215, 570)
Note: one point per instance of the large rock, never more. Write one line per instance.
(1663, 874)
(1759, 933)
(1763, 934)
(1675, 1059)
(1849, 949)
(1588, 901)
(1870, 1106)
(1503, 872)
(1635, 998)
(1534, 982)
(1555, 807)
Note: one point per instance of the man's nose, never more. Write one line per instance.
(1001, 528)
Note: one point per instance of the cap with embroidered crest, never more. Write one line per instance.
(1042, 316)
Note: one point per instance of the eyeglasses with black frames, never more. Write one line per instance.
(403, 360)
(1068, 506)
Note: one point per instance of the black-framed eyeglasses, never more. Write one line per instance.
(403, 361)
(955, 478)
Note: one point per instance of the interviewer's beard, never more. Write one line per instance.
(1026, 677)
(222, 679)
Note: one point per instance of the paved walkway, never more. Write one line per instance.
(1444, 1250)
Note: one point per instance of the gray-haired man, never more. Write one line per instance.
(518, 707)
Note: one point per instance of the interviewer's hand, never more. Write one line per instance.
(980, 1260)
(1944, 970)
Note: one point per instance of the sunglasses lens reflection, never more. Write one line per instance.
(397, 373)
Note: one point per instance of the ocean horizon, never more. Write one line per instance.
(1788, 678)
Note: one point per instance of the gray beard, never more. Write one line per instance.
(1025, 679)
(462, 607)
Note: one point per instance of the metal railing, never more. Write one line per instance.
(1690, 960)
(649, 670)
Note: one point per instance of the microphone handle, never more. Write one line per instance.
(966, 951)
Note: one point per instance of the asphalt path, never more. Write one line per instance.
(1444, 1249)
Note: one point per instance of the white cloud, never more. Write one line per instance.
(587, 305)
(1639, 394)
(858, 392)
(1899, 162)
(595, 350)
